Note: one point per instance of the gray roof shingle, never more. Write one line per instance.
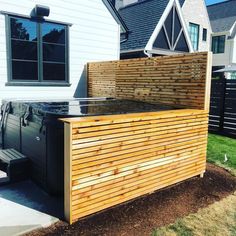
(222, 15)
(141, 19)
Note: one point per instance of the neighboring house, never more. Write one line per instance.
(164, 27)
(198, 22)
(223, 22)
(45, 57)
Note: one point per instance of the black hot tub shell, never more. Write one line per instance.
(34, 129)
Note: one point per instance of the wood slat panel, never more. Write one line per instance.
(182, 80)
(113, 159)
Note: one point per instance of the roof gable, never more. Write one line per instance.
(222, 15)
(170, 33)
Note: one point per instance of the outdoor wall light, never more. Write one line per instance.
(41, 11)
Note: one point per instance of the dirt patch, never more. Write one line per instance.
(141, 216)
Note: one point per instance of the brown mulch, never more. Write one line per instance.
(141, 216)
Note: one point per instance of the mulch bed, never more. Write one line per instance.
(141, 216)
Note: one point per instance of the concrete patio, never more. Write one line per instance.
(25, 207)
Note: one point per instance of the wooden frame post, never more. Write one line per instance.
(68, 171)
(208, 82)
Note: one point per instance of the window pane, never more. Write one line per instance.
(22, 70)
(53, 71)
(53, 33)
(182, 44)
(194, 35)
(233, 76)
(221, 44)
(177, 26)
(204, 34)
(214, 44)
(53, 52)
(218, 44)
(168, 25)
(161, 41)
(23, 29)
(24, 50)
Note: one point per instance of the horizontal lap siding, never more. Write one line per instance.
(117, 158)
(93, 38)
(177, 80)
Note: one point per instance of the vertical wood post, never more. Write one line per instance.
(67, 172)
(208, 81)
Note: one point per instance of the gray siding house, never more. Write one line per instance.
(223, 22)
(164, 27)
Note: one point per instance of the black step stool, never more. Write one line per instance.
(14, 164)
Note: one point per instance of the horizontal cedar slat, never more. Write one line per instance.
(119, 182)
(138, 193)
(151, 160)
(135, 123)
(92, 199)
(81, 133)
(76, 144)
(123, 145)
(113, 155)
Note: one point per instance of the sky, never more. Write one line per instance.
(208, 2)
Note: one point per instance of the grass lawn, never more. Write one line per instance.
(217, 219)
(218, 147)
(220, 217)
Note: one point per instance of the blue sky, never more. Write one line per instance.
(208, 2)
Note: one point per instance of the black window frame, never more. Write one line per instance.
(40, 81)
(204, 34)
(217, 51)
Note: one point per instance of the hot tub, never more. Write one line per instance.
(34, 129)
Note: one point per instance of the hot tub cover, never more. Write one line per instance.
(83, 107)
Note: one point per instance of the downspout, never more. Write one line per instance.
(126, 38)
(147, 53)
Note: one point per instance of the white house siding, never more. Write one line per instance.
(195, 11)
(93, 36)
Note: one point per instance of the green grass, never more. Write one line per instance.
(179, 228)
(218, 147)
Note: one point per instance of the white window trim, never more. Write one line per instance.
(149, 50)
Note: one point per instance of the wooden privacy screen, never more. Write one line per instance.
(178, 80)
(112, 159)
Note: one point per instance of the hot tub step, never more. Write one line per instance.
(14, 164)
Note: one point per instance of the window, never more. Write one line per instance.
(171, 36)
(38, 51)
(233, 75)
(218, 44)
(194, 35)
(204, 35)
